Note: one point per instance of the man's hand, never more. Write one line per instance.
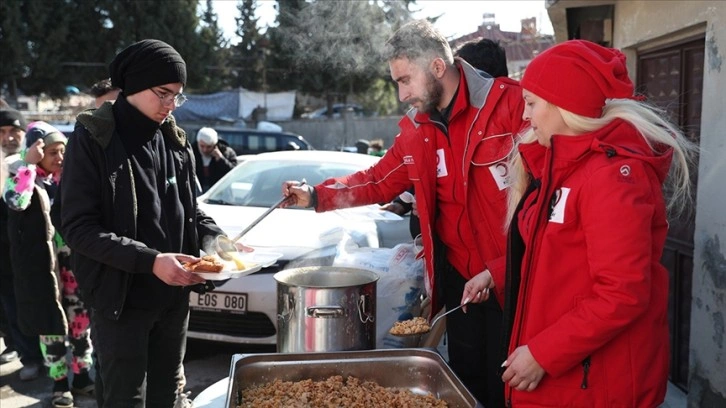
(242, 247)
(168, 268)
(35, 152)
(394, 207)
(523, 372)
(297, 194)
(217, 154)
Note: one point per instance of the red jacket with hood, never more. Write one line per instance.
(592, 298)
(489, 117)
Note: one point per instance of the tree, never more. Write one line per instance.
(46, 46)
(172, 21)
(12, 52)
(341, 61)
(279, 62)
(85, 62)
(249, 54)
(332, 48)
(214, 53)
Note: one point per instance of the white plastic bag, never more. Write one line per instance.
(399, 288)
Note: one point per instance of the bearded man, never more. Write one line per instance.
(452, 149)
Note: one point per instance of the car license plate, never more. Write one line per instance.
(220, 301)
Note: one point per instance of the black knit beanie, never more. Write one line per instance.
(11, 117)
(146, 64)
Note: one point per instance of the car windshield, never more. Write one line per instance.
(258, 183)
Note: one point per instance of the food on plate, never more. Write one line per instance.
(417, 325)
(237, 261)
(333, 392)
(207, 263)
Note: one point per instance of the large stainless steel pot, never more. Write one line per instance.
(324, 308)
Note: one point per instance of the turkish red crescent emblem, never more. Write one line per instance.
(502, 169)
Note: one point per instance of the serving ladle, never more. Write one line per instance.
(225, 246)
(436, 320)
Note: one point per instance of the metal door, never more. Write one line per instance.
(672, 78)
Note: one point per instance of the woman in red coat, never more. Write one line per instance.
(586, 299)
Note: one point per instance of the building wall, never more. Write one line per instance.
(641, 25)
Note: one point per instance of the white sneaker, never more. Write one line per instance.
(30, 371)
(183, 401)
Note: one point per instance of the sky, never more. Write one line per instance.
(457, 17)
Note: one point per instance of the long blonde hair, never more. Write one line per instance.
(648, 120)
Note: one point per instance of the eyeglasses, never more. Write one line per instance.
(167, 98)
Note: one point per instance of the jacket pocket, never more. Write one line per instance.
(493, 149)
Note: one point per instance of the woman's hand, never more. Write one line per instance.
(523, 372)
(476, 289)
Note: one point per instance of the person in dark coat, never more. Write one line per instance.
(18, 344)
(128, 211)
(47, 297)
(213, 157)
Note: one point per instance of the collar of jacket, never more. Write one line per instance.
(101, 123)
(478, 84)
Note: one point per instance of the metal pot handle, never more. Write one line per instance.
(325, 311)
(288, 304)
(364, 309)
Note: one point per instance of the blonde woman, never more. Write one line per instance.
(586, 297)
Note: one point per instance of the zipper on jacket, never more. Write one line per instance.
(542, 203)
(585, 372)
(543, 208)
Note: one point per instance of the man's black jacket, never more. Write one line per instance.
(98, 215)
(217, 167)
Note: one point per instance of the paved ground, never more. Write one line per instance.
(15, 393)
(205, 364)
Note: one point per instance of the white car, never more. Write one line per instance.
(244, 310)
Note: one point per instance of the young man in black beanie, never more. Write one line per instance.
(128, 211)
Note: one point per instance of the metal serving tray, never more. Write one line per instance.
(422, 371)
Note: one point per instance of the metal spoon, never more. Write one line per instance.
(436, 320)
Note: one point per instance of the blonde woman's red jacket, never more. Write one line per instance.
(592, 299)
(488, 113)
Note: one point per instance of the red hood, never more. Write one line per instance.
(616, 138)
